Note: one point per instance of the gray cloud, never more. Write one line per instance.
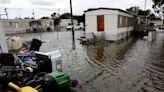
(42, 2)
(46, 7)
(4, 1)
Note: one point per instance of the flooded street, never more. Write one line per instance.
(131, 65)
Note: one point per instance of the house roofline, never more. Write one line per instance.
(117, 9)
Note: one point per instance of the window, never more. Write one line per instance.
(16, 24)
(10, 23)
(131, 21)
(38, 23)
(120, 21)
(30, 24)
(51, 23)
(124, 21)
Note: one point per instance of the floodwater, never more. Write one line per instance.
(131, 65)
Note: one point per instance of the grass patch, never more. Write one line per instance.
(103, 42)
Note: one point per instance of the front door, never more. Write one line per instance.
(100, 23)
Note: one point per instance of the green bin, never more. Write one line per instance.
(62, 79)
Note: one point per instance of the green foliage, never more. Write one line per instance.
(53, 15)
(56, 21)
(136, 10)
(103, 42)
(44, 17)
(152, 16)
(57, 18)
(133, 9)
(142, 12)
(158, 2)
(79, 18)
(158, 6)
(27, 18)
(65, 16)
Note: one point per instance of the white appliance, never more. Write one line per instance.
(56, 59)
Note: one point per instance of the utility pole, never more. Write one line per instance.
(57, 15)
(145, 15)
(58, 12)
(6, 12)
(72, 26)
(33, 13)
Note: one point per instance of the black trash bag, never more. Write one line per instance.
(35, 44)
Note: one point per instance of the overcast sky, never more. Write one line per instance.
(23, 8)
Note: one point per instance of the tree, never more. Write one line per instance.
(44, 17)
(157, 3)
(27, 18)
(152, 16)
(53, 15)
(79, 18)
(18, 18)
(56, 18)
(142, 12)
(57, 21)
(136, 10)
(133, 9)
(159, 7)
(65, 16)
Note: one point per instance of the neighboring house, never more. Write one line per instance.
(23, 25)
(66, 22)
(142, 22)
(15, 25)
(156, 22)
(114, 24)
(42, 24)
(142, 19)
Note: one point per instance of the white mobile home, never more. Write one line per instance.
(114, 23)
(22, 25)
(65, 22)
(15, 25)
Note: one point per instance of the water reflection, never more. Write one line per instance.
(100, 53)
(113, 52)
(131, 66)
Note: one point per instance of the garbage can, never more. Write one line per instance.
(57, 81)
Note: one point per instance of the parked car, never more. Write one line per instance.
(76, 27)
(69, 27)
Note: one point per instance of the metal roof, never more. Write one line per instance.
(117, 9)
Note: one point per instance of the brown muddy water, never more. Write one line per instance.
(131, 65)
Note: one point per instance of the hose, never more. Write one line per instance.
(30, 82)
